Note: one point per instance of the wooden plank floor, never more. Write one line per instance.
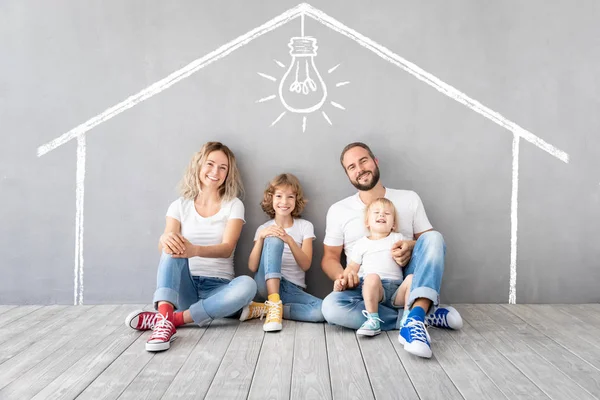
(502, 352)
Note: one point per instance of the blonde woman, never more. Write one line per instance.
(195, 280)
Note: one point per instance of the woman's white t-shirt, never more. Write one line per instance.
(301, 230)
(207, 231)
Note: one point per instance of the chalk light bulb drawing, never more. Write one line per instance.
(302, 90)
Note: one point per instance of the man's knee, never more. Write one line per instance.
(432, 239)
(331, 307)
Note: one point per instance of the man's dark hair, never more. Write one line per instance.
(353, 145)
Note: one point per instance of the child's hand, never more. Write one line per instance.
(338, 285)
(272, 230)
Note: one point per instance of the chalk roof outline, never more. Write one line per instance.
(301, 10)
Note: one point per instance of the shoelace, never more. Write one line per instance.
(148, 320)
(370, 319)
(273, 310)
(258, 311)
(417, 330)
(437, 320)
(162, 329)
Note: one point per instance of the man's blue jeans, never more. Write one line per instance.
(427, 266)
(297, 304)
(207, 298)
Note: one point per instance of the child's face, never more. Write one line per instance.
(284, 200)
(380, 218)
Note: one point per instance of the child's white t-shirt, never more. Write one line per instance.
(375, 257)
(301, 230)
(208, 231)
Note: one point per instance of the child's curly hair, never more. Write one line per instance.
(283, 180)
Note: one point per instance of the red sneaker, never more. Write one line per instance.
(141, 320)
(163, 334)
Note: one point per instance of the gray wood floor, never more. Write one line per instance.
(502, 352)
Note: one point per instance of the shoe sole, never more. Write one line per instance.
(368, 332)
(415, 352)
(272, 327)
(161, 346)
(131, 317)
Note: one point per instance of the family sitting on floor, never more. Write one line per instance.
(394, 257)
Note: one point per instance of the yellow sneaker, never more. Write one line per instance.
(253, 310)
(273, 322)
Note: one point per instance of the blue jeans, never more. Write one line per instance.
(297, 304)
(426, 265)
(207, 298)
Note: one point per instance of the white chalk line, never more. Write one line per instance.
(266, 99)
(172, 79)
(341, 84)
(305, 9)
(79, 197)
(332, 68)
(269, 77)
(278, 118)
(434, 82)
(304, 124)
(514, 210)
(333, 103)
(282, 65)
(326, 117)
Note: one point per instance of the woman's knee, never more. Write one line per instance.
(245, 287)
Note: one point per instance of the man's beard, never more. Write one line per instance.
(370, 185)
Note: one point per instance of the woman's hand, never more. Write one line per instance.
(189, 252)
(173, 243)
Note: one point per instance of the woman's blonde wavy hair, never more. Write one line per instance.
(190, 185)
(283, 180)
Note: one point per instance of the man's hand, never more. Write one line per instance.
(172, 243)
(189, 252)
(402, 251)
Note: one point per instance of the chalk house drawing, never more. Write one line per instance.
(302, 10)
(302, 89)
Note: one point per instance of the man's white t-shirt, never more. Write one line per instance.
(346, 224)
(301, 230)
(375, 257)
(208, 231)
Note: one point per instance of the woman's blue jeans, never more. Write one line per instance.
(297, 304)
(207, 298)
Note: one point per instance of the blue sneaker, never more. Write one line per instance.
(413, 335)
(444, 317)
(370, 327)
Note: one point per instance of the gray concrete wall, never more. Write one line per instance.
(536, 63)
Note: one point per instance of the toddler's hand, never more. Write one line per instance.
(338, 286)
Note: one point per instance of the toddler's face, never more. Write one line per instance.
(381, 218)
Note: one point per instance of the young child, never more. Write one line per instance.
(380, 276)
(282, 253)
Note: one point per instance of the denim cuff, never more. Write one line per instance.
(199, 314)
(273, 275)
(424, 292)
(166, 294)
